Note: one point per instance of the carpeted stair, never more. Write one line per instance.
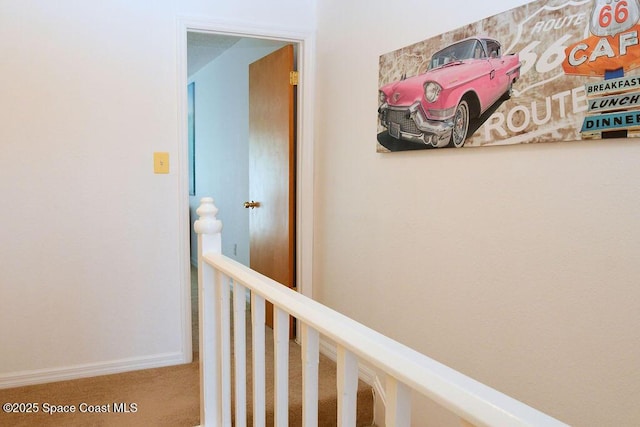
(327, 389)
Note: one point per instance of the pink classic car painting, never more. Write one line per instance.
(462, 81)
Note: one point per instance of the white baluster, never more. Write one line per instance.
(398, 411)
(240, 352)
(257, 328)
(281, 366)
(347, 377)
(310, 359)
(209, 240)
(225, 350)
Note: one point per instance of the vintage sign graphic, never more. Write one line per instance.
(564, 49)
(610, 17)
(613, 103)
(612, 50)
(613, 85)
(603, 122)
(542, 38)
(613, 43)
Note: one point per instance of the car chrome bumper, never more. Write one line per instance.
(410, 124)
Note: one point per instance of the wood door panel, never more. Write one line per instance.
(272, 167)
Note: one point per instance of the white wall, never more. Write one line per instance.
(222, 141)
(92, 242)
(515, 265)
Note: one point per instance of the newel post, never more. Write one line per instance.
(208, 228)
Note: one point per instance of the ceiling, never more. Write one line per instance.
(203, 48)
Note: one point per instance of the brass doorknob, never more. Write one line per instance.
(251, 204)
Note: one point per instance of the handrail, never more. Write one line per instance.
(466, 397)
(406, 369)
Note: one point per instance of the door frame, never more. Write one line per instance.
(305, 42)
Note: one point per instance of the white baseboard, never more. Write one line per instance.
(379, 403)
(365, 373)
(40, 376)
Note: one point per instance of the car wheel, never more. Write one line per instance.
(460, 124)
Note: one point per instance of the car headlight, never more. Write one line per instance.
(431, 91)
(382, 97)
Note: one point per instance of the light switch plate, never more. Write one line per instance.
(160, 162)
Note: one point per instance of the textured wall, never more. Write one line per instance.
(516, 265)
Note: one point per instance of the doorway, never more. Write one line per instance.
(243, 40)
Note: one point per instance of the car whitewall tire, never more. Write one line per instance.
(460, 124)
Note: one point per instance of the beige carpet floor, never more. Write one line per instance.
(163, 397)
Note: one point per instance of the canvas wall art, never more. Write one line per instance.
(547, 71)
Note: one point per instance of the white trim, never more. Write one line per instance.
(40, 376)
(365, 373)
(378, 388)
(241, 29)
(305, 148)
(305, 168)
(184, 233)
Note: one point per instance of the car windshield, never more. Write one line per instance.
(467, 49)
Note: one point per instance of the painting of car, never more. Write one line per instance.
(462, 81)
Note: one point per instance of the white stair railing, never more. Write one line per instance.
(405, 369)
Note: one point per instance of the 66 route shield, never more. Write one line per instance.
(614, 41)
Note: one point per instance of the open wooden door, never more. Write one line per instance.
(272, 169)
